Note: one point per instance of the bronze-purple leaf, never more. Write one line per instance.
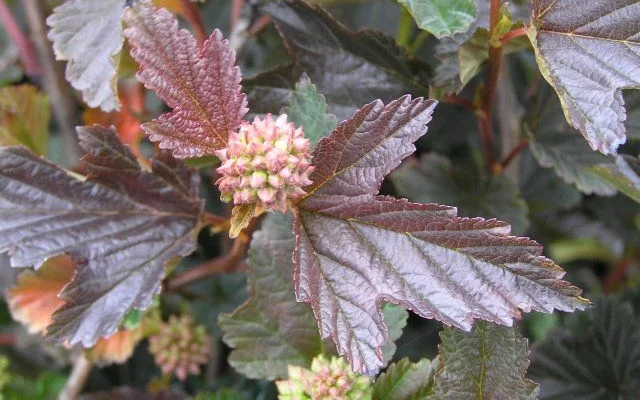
(356, 250)
(200, 83)
(121, 225)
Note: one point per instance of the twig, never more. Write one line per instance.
(461, 101)
(513, 154)
(516, 33)
(218, 265)
(192, 16)
(79, 375)
(27, 54)
(418, 42)
(485, 123)
(7, 340)
(60, 95)
(236, 11)
(405, 27)
(261, 23)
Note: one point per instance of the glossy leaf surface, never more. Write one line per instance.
(588, 50)
(121, 225)
(356, 250)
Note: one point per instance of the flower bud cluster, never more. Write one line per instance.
(180, 347)
(327, 380)
(266, 163)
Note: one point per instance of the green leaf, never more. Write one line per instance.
(474, 53)
(24, 118)
(88, 34)
(588, 50)
(442, 17)
(447, 73)
(308, 109)
(271, 330)
(396, 319)
(349, 68)
(596, 356)
(405, 380)
(542, 189)
(572, 159)
(434, 179)
(490, 362)
(623, 175)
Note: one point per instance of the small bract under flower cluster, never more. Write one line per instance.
(265, 162)
(180, 347)
(327, 380)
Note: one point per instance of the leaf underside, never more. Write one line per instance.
(88, 34)
(121, 226)
(489, 362)
(356, 250)
(589, 50)
(200, 84)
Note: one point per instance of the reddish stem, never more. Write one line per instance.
(461, 101)
(261, 23)
(513, 154)
(192, 15)
(516, 33)
(7, 340)
(27, 54)
(485, 122)
(226, 263)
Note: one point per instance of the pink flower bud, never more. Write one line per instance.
(265, 162)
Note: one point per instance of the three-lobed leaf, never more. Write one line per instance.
(121, 225)
(588, 50)
(200, 83)
(88, 34)
(356, 250)
(490, 362)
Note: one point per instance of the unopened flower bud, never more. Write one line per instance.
(266, 163)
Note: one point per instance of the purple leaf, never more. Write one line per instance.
(356, 250)
(121, 225)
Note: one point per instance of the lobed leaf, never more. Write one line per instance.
(88, 34)
(349, 68)
(596, 358)
(588, 50)
(489, 362)
(405, 380)
(24, 118)
(271, 330)
(121, 225)
(355, 250)
(434, 179)
(201, 84)
(442, 17)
